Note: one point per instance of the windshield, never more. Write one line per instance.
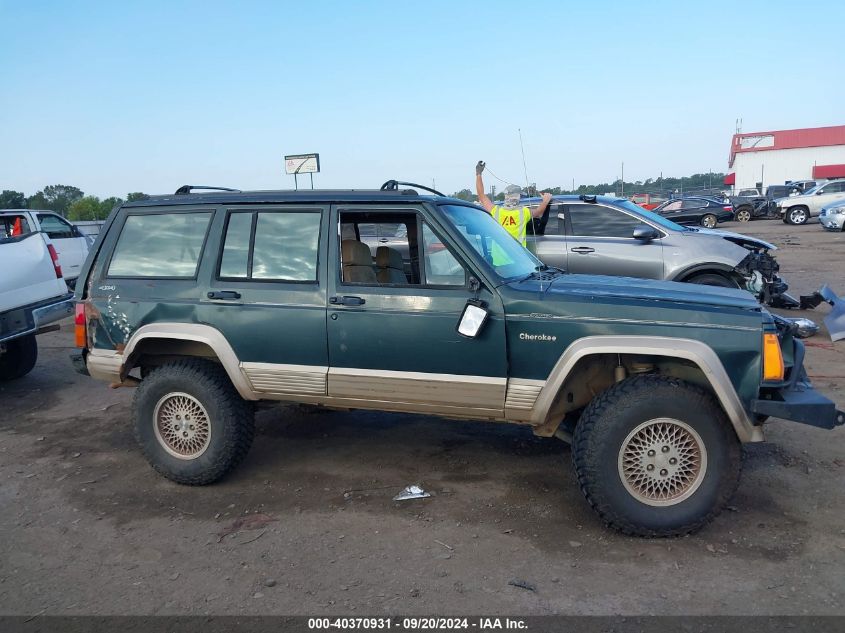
(651, 216)
(507, 257)
(811, 190)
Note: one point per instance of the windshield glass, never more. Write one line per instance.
(507, 257)
(651, 216)
(811, 190)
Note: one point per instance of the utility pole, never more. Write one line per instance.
(623, 178)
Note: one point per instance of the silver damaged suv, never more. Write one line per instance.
(613, 236)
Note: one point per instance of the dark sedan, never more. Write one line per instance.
(694, 210)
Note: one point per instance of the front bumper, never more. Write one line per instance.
(832, 222)
(796, 399)
(802, 404)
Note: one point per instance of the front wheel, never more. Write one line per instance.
(712, 279)
(192, 425)
(708, 221)
(656, 456)
(798, 215)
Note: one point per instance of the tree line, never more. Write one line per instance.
(654, 186)
(70, 202)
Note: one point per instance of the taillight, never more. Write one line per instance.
(55, 257)
(728, 207)
(80, 327)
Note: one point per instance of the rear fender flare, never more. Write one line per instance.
(199, 333)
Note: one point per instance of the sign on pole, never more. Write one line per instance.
(302, 164)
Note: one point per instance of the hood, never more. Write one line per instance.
(640, 290)
(736, 238)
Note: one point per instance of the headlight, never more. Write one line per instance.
(836, 211)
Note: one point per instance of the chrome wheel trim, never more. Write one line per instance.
(743, 216)
(709, 222)
(182, 425)
(662, 462)
(798, 216)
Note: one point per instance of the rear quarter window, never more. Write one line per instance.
(160, 245)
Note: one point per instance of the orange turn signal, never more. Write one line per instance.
(772, 359)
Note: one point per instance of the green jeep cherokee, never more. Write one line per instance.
(395, 301)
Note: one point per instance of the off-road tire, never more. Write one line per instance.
(743, 215)
(231, 420)
(709, 221)
(602, 430)
(712, 279)
(19, 358)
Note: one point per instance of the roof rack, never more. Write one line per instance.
(588, 199)
(186, 189)
(393, 185)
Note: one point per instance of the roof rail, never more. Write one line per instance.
(588, 199)
(393, 185)
(186, 189)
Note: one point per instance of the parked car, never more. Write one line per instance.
(210, 302)
(799, 209)
(33, 296)
(832, 217)
(706, 212)
(70, 243)
(612, 236)
(757, 207)
(804, 185)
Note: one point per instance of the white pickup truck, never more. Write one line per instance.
(33, 295)
(70, 243)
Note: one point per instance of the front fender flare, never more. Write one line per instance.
(688, 349)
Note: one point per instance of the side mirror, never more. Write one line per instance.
(645, 233)
(472, 318)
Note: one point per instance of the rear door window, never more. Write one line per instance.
(165, 245)
(271, 246)
(593, 220)
(55, 227)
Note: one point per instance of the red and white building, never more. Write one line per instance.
(760, 159)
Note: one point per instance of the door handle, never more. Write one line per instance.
(346, 300)
(583, 250)
(224, 294)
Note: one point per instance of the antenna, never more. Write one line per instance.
(524, 168)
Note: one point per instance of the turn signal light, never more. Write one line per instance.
(772, 359)
(79, 326)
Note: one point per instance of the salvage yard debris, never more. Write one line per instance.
(411, 492)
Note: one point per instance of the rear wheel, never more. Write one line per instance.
(743, 215)
(708, 221)
(19, 358)
(712, 279)
(192, 425)
(798, 215)
(656, 456)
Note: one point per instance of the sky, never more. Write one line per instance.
(114, 97)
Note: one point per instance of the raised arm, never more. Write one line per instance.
(538, 212)
(479, 187)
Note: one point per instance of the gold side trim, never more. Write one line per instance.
(420, 391)
(270, 378)
(522, 393)
(104, 364)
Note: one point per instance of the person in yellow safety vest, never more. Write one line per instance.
(513, 217)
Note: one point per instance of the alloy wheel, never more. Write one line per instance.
(662, 462)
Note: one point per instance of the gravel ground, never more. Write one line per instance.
(308, 526)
